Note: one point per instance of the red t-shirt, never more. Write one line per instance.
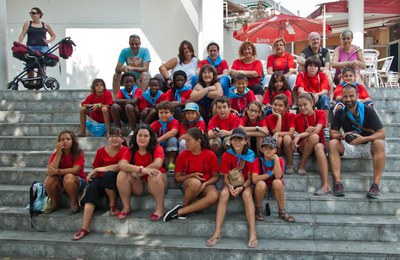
(256, 169)
(362, 92)
(312, 84)
(230, 123)
(67, 162)
(102, 158)
(245, 121)
(206, 162)
(105, 98)
(254, 66)
(302, 122)
(200, 124)
(220, 68)
(138, 94)
(144, 103)
(156, 126)
(229, 162)
(239, 104)
(268, 100)
(185, 95)
(283, 63)
(287, 122)
(146, 159)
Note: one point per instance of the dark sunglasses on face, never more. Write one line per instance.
(32, 13)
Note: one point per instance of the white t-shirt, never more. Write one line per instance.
(189, 69)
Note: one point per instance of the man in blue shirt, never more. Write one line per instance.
(134, 59)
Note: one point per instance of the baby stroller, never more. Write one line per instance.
(37, 60)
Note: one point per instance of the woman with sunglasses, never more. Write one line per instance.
(37, 33)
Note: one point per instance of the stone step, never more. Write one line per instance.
(118, 246)
(41, 105)
(353, 182)
(36, 129)
(391, 103)
(15, 158)
(354, 203)
(389, 116)
(306, 227)
(35, 117)
(61, 95)
(377, 93)
(94, 143)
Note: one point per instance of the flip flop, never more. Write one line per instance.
(73, 211)
(252, 243)
(114, 211)
(155, 217)
(123, 215)
(213, 241)
(301, 172)
(80, 234)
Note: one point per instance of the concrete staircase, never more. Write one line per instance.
(352, 227)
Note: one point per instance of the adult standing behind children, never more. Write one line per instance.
(37, 33)
(134, 59)
(248, 65)
(363, 136)
(186, 61)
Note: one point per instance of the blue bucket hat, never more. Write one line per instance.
(269, 141)
(191, 106)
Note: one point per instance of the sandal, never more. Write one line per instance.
(213, 241)
(123, 215)
(285, 216)
(301, 172)
(73, 211)
(155, 217)
(50, 210)
(259, 214)
(80, 234)
(114, 210)
(80, 135)
(252, 243)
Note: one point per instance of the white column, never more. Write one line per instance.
(211, 26)
(3, 45)
(356, 21)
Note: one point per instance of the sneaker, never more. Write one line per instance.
(183, 217)
(374, 191)
(338, 191)
(172, 214)
(289, 170)
(322, 192)
(171, 168)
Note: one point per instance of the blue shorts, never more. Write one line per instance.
(323, 102)
(42, 49)
(170, 145)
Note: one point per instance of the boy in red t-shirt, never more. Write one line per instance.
(166, 129)
(151, 98)
(221, 125)
(267, 174)
(240, 95)
(126, 102)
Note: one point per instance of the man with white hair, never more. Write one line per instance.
(314, 49)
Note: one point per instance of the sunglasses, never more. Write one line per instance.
(32, 13)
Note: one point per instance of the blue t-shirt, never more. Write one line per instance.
(126, 57)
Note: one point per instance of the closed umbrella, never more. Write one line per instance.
(290, 28)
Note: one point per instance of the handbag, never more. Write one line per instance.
(236, 177)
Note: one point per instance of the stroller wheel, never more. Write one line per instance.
(12, 86)
(51, 83)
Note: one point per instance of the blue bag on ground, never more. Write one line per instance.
(37, 198)
(97, 129)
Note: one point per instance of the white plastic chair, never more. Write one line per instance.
(371, 68)
(391, 77)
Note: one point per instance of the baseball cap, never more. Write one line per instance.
(191, 106)
(239, 132)
(269, 141)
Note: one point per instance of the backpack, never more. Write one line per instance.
(37, 198)
(65, 48)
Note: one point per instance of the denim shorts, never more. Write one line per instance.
(170, 145)
(42, 49)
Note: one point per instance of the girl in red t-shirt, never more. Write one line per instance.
(142, 163)
(281, 125)
(65, 171)
(196, 169)
(102, 179)
(231, 159)
(254, 124)
(309, 125)
(97, 105)
(267, 174)
(277, 85)
(190, 118)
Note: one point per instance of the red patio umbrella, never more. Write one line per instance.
(289, 27)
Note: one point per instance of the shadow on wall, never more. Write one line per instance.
(81, 77)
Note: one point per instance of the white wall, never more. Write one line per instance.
(101, 29)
